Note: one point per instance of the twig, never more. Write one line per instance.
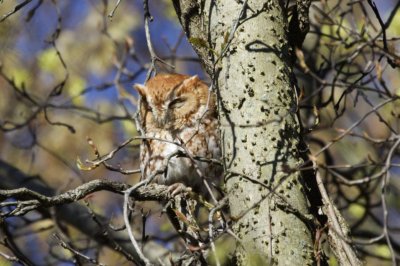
(350, 257)
(344, 133)
(154, 58)
(232, 32)
(111, 15)
(16, 8)
(220, 205)
(28, 200)
(138, 250)
(385, 181)
(76, 252)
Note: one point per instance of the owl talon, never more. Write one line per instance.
(178, 188)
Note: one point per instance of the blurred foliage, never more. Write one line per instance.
(350, 77)
(394, 28)
(94, 46)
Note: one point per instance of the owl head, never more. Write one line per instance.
(173, 101)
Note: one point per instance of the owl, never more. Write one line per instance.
(179, 120)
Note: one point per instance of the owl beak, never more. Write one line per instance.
(161, 121)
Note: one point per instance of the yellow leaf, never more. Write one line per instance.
(356, 210)
(333, 261)
(48, 60)
(74, 87)
(165, 227)
(129, 128)
(383, 251)
(394, 28)
(5, 262)
(20, 76)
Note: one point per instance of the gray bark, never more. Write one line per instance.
(249, 62)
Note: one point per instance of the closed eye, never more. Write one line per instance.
(177, 102)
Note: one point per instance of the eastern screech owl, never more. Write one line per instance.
(178, 108)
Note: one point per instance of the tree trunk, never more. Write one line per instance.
(244, 47)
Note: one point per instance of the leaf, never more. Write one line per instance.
(394, 28)
(75, 86)
(383, 251)
(129, 128)
(21, 76)
(48, 60)
(356, 210)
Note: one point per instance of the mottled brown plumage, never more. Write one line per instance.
(180, 109)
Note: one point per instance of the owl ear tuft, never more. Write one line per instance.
(191, 81)
(141, 89)
(188, 84)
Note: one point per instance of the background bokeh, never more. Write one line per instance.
(95, 59)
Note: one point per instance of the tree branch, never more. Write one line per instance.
(35, 195)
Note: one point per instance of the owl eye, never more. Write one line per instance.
(177, 102)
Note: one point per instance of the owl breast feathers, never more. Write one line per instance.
(178, 109)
